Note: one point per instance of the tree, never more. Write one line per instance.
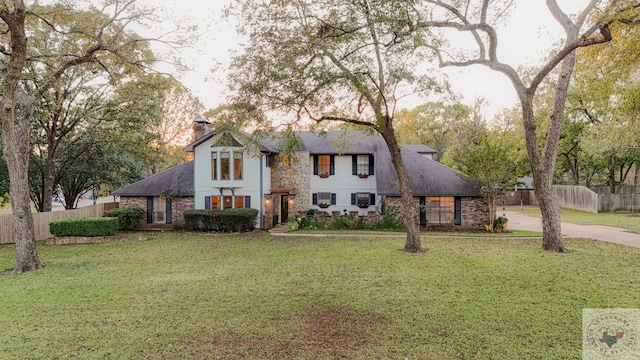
(347, 61)
(434, 124)
(96, 36)
(589, 27)
(494, 156)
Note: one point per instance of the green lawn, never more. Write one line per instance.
(257, 296)
(621, 220)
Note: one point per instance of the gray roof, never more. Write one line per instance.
(419, 148)
(426, 176)
(176, 181)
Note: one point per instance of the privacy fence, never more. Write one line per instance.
(41, 221)
(627, 199)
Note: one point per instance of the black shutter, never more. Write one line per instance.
(149, 209)
(207, 202)
(371, 164)
(332, 165)
(168, 210)
(333, 199)
(353, 199)
(423, 213)
(315, 164)
(354, 164)
(314, 199)
(247, 202)
(458, 210)
(372, 199)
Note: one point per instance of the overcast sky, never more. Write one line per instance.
(524, 40)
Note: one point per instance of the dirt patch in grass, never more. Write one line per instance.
(320, 331)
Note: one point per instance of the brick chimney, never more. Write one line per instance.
(200, 128)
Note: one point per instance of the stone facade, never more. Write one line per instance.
(474, 210)
(179, 205)
(292, 174)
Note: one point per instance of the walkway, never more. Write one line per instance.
(518, 221)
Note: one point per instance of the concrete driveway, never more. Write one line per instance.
(518, 221)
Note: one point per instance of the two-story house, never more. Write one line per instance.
(338, 172)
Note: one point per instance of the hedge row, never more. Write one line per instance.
(228, 220)
(128, 217)
(104, 226)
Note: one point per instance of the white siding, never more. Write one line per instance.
(343, 184)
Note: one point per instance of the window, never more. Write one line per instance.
(363, 200)
(215, 202)
(237, 165)
(227, 202)
(362, 164)
(439, 209)
(324, 165)
(324, 200)
(239, 202)
(285, 160)
(214, 166)
(159, 208)
(224, 165)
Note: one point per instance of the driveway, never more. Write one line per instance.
(518, 221)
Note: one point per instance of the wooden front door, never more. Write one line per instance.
(284, 208)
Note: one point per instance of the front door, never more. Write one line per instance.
(284, 208)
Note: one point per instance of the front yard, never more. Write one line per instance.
(256, 296)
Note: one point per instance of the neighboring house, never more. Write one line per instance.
(336, 172)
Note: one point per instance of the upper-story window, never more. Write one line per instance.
(324, 162)
(237, 165)
(323, 165)
(214, 166)
(225, 165)
(362, 165)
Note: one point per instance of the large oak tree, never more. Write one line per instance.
(478, 19)
(95, 37)
(335, 60)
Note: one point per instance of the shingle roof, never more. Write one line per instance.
(176, 181)
(419, 148)
(427, 177)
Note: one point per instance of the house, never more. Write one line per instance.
(336, 172)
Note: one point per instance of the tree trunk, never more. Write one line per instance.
(15, 126)
(48, 183)
(24, 236)
(409, 208)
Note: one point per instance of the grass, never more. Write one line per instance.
(627, 221)
(256, 296)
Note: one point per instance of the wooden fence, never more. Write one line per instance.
(576, 197)
(41, 221)
(619, 202)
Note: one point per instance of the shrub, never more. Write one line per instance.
(128, 217)
(104, 226)
(228, 220)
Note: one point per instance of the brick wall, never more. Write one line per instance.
(179, 205)
(474, 209)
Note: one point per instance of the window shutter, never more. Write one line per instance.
(354, 164)
(207, 202)
(149, 209)
(457, 210)
(353, 198)
(168, 210)
(333, 198)
(314, 199)
(371, 165)
(247, 202)
(332, 165)
(372, 199)
(315, 164)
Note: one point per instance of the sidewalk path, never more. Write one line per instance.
(518, 221)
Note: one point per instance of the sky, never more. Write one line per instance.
(525, 39)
